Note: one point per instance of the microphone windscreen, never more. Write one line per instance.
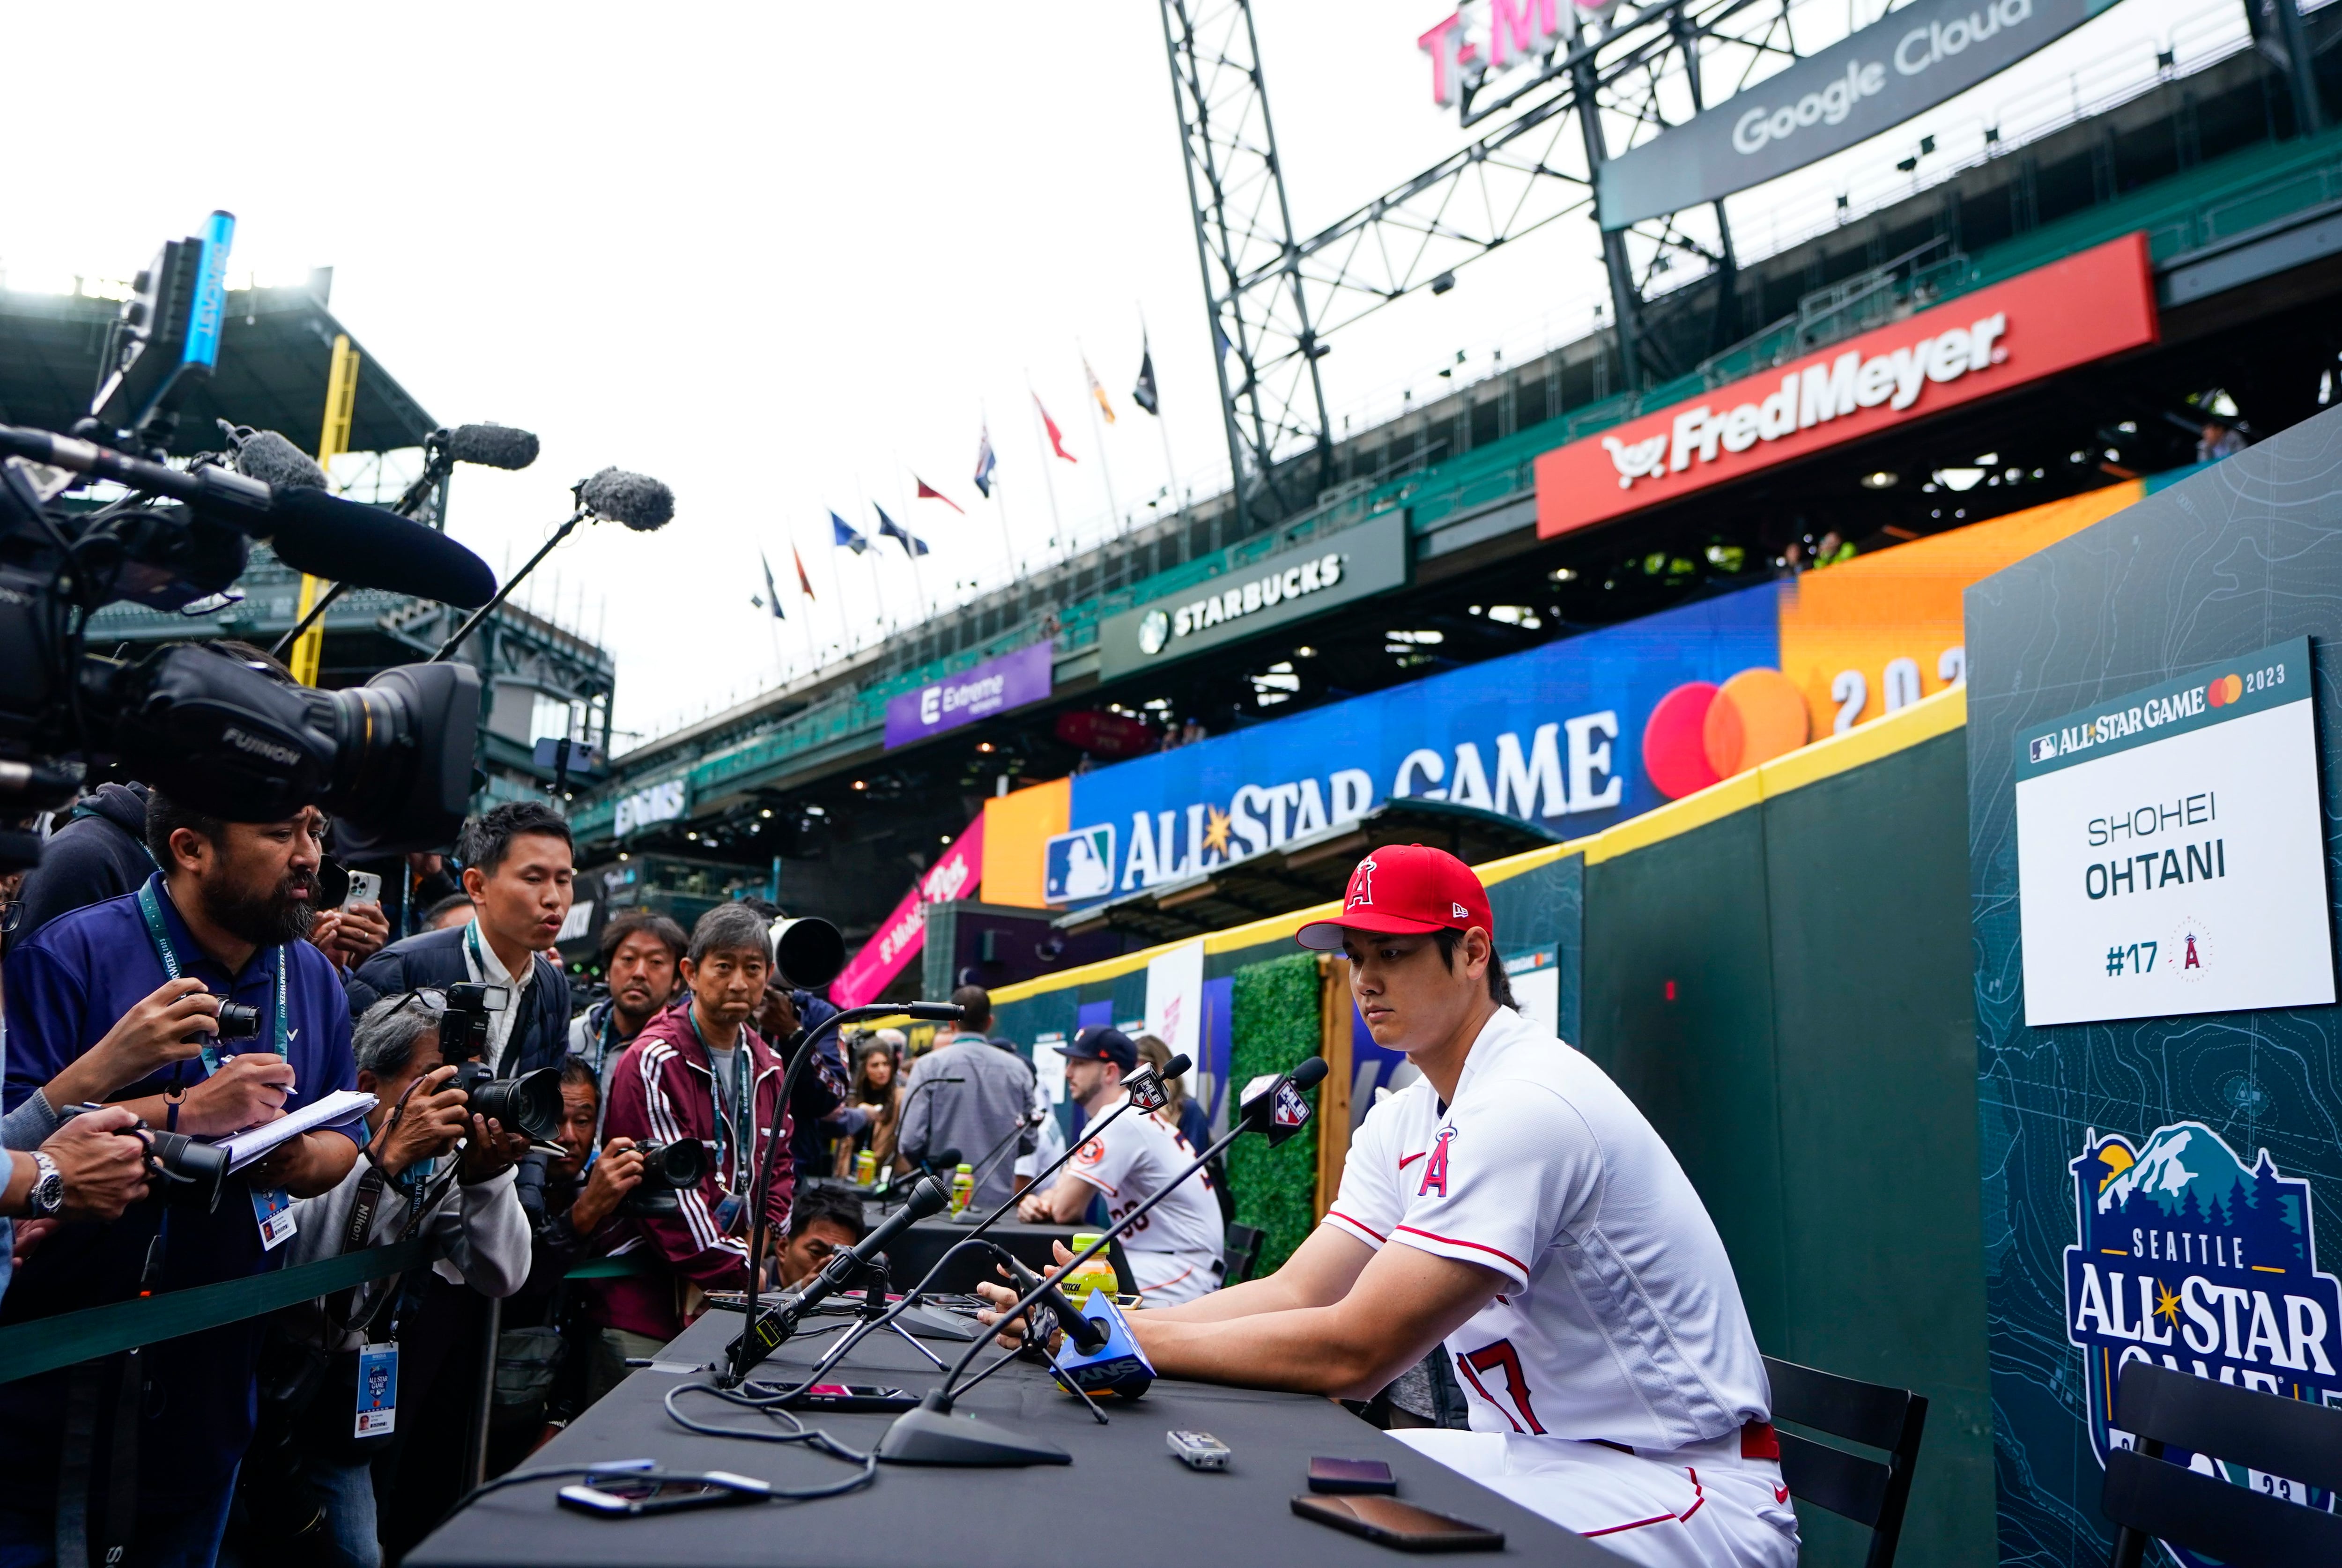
(490, 445)
(927, 1198)
(275, 461)
(636, 499)
(1307, 1075)
(348, 541)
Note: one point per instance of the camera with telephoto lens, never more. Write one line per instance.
(179, 1170)
(668, 1169)
(390, 760)
(530, 1103)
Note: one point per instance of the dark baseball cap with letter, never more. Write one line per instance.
(1404, 889)
(1101, 1042)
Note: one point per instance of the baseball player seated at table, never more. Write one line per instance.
(1174, 1249)
(1514, 1206)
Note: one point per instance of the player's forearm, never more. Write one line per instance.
(1245, 1300)
(1308, 1349)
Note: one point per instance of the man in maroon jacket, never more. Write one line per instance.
(687, 1075)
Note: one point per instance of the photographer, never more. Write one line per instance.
(699, 1071)
(639, 955)
(306, 1471)
(517, 869)
(230, 908)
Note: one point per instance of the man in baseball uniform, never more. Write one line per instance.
(1515, 1206)
(1175, 1249)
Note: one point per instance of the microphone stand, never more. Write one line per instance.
(744, 1356)
(503, 591)
(929, 1436)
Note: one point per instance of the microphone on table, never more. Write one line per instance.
(766, 1334)
(932, 1435)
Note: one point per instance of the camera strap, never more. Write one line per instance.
(150, 909)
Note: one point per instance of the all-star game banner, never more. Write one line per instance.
(2161, 1184)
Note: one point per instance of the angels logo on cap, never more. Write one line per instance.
(1405, 889)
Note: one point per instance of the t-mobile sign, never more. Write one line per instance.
(994, 686)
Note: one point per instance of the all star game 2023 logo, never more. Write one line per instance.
(2194, 1261)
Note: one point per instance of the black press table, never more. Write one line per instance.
(1123, 1500)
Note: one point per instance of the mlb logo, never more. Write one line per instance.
(1078, 864)
(1292, 1110)
(2045, 747)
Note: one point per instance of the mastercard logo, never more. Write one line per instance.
(1702, 733)
(2224, 691)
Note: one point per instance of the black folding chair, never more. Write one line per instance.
(2150, 1497)
(1240, 1251)
(1864, 1490)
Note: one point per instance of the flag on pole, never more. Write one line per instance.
(1056, 436)
(772, 599)
(984, 462)
(1143, 394)
(929, 493)
(888, 529)
(842, 533)
(804, 584)
(1096, 391)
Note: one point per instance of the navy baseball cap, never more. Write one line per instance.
(1102, 1043)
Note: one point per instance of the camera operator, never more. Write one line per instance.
(229, 907)
(517, 869)
(699, 1072)
(306, 1469)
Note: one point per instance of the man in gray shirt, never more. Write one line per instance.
(982, 1115)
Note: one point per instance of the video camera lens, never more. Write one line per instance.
(530, 1103)
(186, 1171)
(236, 1021)
(668, 1169)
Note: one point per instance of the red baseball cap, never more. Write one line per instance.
(1404, 889)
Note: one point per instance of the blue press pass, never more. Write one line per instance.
(377, 1389)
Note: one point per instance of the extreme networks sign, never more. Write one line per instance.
(1283, 588)
(2084, 308)
(1551, 736)
(991, 687)
(657, 802)
(2170, 849)
(1908, 61)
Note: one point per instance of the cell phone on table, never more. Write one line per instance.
(1388, 1521)
(852, 1396)
(1351, 1475)
(624, 1496)
(365, 887)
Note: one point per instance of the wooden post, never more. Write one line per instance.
(1333, 1012)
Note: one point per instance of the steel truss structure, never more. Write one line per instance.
(1274, 297)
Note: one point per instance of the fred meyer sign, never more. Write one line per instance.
(1906, 62)
(2084, 308)
(1333, 570)
(2170, 849)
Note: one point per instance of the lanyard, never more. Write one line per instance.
(151, 908)
(739, 1118)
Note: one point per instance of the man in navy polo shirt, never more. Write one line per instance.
(230, 908)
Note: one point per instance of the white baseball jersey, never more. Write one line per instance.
(1620, 1319)
(1175, 1248)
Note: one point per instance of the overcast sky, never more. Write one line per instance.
(784, 258)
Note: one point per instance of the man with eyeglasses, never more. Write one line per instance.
(229, 908)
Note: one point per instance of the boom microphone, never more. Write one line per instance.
(636, 499)
(773, 1326)
(347, 541)
(489, 445)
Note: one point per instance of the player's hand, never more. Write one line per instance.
(1003, 1297)
(102, 1162)
(614, 1176)
(428, 1128)
(249, 1090)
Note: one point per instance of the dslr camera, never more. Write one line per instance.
(181, 1170)
(391, 760)
(530, 1103)
(668, 1169)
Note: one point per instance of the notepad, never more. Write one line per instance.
(255, 1143)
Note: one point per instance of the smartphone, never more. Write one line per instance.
(852, 1396)
(1401, 1524)
(365, 887)
(614, 1497)
(1350, 1476)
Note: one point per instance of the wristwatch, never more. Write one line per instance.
(49, 1193)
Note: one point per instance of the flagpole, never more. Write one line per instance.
(1041, 446)
(1162, 425)
(918, 582)
(870, 559)
(1097, 430)
(1000, 503)
(845, 643)
(805, 595)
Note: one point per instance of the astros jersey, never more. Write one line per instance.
(1619, 1320)
(1175, 1248)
